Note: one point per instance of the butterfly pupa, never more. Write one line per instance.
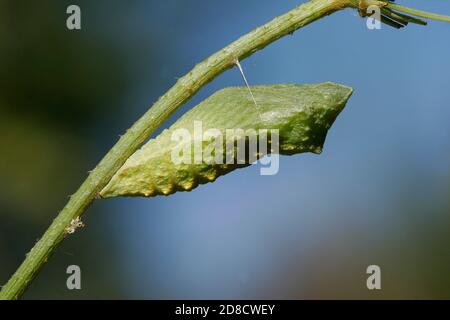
(301, 114)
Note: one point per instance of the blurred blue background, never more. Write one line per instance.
(378, 194)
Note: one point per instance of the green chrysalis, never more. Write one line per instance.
(301, 114)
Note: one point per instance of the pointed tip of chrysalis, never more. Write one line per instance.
(306, 131)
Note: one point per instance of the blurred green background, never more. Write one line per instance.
(379, 193)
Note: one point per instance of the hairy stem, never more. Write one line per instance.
(181, 92)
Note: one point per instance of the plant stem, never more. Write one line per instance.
(181, 92)
(419, 13)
